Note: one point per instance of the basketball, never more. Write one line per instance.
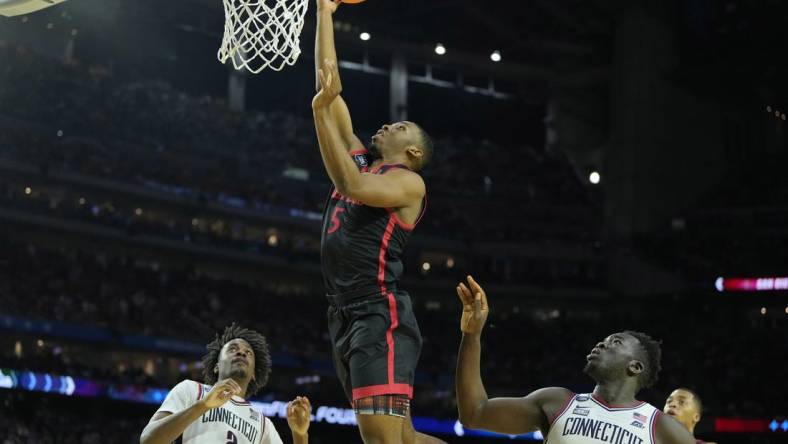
(352, 1)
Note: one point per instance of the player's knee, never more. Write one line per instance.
(375, 431)
(374, 439)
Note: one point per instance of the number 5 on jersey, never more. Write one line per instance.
(335, 222)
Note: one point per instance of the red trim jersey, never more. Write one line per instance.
(236, 422)
(362, 246)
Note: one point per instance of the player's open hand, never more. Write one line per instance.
(221, 392)
(330, 87)
(474, 307)
(299, 414)
(328, 5)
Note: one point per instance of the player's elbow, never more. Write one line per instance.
(469, 417)
(344, 189)
(469, 422)
(349, 187)
(146, 436)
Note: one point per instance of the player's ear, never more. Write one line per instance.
(696, 417)
(216, 369)
(635, 367)
(414, 151)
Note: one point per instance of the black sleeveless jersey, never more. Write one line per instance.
(361, 246)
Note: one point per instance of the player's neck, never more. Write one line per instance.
(244, 386)
(616, 393)
(398, 160)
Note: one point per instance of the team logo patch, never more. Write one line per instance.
(582, 398)
(580, 411)
(638, 424)
(361, 160)
(255, 415)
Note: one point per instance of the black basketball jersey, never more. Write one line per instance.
(361, 246)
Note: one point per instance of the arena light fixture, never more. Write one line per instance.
(440, 49)
(365, 36)
(13, 8)
(496, 56)
(594, 177)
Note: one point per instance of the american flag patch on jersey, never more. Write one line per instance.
(255, 415)
(640, 417)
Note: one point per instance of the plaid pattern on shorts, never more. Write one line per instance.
(391, 405)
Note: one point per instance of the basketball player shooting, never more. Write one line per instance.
(236, 366)
(621, 365)
(377, 200)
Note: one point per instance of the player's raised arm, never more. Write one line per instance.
(398, 188)
(325, 49)
(503, 415)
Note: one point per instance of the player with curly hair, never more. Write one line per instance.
(621, 365)
(235, 368)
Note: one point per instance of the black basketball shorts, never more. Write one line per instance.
(376, 345)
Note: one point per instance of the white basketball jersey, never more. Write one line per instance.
(587, 419)
(236, 422)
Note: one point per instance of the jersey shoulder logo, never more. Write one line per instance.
(582, 411)
(361, 160)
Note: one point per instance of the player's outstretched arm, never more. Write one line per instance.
(299, 414)
(397, 188)
(166, 427)
(511, 416)
(325, 49)
(670, 431)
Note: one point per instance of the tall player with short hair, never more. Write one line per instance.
(236, 366)
(377, 200)
(621, 365)
(685, 405)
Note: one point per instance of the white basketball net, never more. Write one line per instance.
(262, 33)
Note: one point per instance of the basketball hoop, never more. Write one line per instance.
(259, 34)
(12, 8)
